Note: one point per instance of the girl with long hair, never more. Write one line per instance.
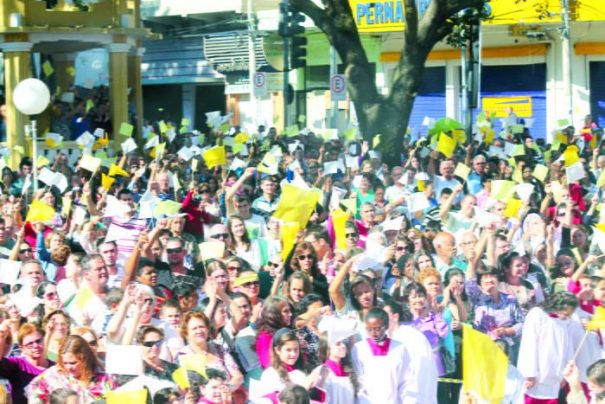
(286, 366)
(341, 384)
(276, 314)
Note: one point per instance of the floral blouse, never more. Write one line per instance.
(54, 378)
(489, 315)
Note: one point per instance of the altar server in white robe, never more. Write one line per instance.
(381, 364)
(549, 341)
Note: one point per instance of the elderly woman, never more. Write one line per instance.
(495, 313)
(195, 330)
(77, 369)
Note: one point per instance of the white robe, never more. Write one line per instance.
(338, 389)
(383, 379)
(547, 346)
(422, 368)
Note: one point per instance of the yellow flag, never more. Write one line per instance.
(288, 232)
(502, 190)
(571, 156)
(194, 362)
(462, 171)
(40, 212)
(601, 180)
(107, 181)
(350, 204)
(376, 141)
(82, 298)
(561, 138)
(540, 172)
(168, 208)
(485, 366)
(179, 376)
(241, 138)
(42, 161)
(598, 320)
(446, 145)
(600, 227)
(512, 208)
(490, 134)
(117, 170)
(339, 219)
(459, 135)
(296, 204)
(127, 396)
(215, 156)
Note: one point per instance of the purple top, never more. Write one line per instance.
(19, 373)
(434, 327)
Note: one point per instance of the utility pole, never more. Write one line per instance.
(471, 73)
(252, 63)
(567, 53)
(283, 28)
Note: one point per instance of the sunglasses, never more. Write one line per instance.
(233, 268)
(304, 257)
(400, 248)
(220, 235)
(352, 235)
(148, 300)
(174, 250)
(273, 264)
(33, 343)
(204, 191)
(250, 284)
(150, 344)
(25, 250)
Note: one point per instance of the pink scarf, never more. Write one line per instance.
(379, 349)
(336, 368)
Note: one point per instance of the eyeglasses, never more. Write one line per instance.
(230, 268)
(352, 235)
(148, 300)
(150, 344)
(174, 250)
(273, 264)
(305, 257)
(25, 250)
(400, 248)
(33, 343)
(50, 294)
(220, 235)
(204, 191)
(250, 284)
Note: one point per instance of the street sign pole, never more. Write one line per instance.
(284, 15)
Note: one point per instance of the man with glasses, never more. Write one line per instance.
(179, 266)
(474, 181)
(6, 242)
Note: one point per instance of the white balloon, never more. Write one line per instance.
(31, 96)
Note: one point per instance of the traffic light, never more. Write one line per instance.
(298, 53)
(282, 27)
(291, 29)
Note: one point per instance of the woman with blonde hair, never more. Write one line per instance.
(77, 369)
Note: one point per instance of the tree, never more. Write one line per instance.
(387, 114)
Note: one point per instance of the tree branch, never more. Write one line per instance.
(411, 20)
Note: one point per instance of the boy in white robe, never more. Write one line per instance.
(548, 343)
(382, 365)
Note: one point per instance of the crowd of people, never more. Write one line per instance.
(178, 273)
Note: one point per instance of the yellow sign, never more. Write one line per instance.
(522, 106)
(508, 12)
(378, 16)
